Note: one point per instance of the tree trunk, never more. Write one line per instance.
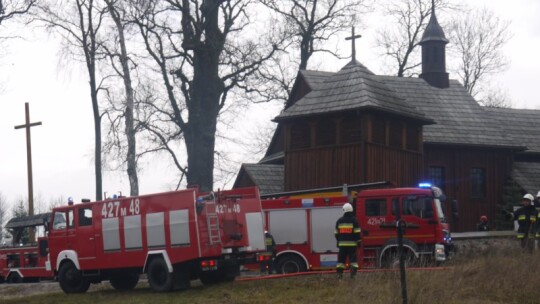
(97, 141)
(130, 130)
(204, 105)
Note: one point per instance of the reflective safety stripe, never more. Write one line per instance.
(354, 265)
(522, 217)
(356, 230)
(268, 241)
(521, 235)
(345, 228)
(340, 266)
(533, 218)
(346, 243)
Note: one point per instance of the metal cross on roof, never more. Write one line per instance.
(27, 126)
(353, 38)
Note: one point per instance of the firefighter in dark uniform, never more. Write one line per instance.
(270, 254)
(526, 217)
(348, 238)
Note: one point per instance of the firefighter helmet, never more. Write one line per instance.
(529, 197)
(538, 194)
(347, 208)
(483, 218)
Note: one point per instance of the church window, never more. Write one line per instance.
(300, 136)
(436, 176)
(326, 132)
(413, 140)
(396, 135)
(351, 130)
(378, 130)
(478, 182)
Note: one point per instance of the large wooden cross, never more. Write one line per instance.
(353, 38)
(27, 126)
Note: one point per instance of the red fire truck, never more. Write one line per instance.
(173, 237)
(23, 262)
(302, 224)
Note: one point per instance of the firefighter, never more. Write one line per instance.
(270, 254)
(483, 225)
(526, 217)
(347, 234)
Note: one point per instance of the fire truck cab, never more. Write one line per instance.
(303, 226)
(20, 260)
(173, 237)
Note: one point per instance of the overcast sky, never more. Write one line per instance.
(32, 71)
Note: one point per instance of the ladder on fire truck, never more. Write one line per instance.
(212, 223)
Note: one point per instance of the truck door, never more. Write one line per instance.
(85, 234)
(374, 213)
(419, 210)
(58, 234)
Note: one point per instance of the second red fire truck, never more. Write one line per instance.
(302, 224)
(173, 237)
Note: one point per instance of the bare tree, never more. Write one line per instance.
(408, 19)
(13, 8)
(116, 12)
(310, 23)
(209, 57)
(78, 22)
(478, 37)
(495, 97)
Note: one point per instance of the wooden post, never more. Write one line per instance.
(27, 126)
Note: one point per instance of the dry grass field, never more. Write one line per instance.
(503, 277)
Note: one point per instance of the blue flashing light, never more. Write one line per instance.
(424, 185)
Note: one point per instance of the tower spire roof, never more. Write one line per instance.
(434, 31)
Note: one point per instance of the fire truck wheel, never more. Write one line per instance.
(71, 279)
(159, 277)
(290, 264)
(14, 278)
(125, 281)
(392, 260)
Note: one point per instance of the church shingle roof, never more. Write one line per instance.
(459, 119)
(269, 178)
(353, 87)
(521, 124)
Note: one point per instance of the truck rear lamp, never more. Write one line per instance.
(207, 265)
(264, 257)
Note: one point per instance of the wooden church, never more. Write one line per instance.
(353, 126)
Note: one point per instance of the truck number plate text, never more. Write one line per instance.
(114, 209)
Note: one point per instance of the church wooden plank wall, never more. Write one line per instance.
(324, 167)
(458, 164)
(403, 168)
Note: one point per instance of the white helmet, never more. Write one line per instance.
(528, 196)
(347, 208)
(538, 195)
